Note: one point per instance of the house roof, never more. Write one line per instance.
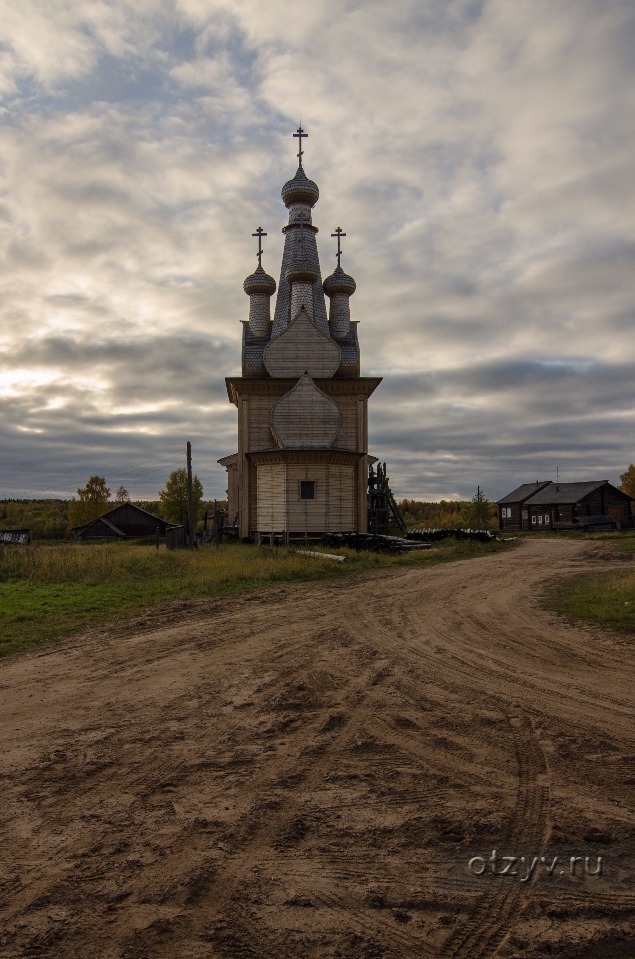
(127, 506)
(230, 460)
(95, 522)
(112, 526)
(523, 492)
(137, 509)
(564, 493)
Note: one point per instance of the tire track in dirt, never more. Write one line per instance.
(283, 824)
(54, 779)
(307, 773)
(53, 775)
(496, 912)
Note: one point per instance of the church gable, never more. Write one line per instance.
(302, 348)
(305, 418)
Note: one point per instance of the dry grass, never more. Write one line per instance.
(50, 590)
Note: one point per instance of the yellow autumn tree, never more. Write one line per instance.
(628, 481)
(173, 497)
(92, 502)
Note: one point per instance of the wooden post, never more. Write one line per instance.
(190, 498)
(216, 522)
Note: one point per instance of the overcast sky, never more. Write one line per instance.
(479, 155)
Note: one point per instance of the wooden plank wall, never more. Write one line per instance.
(260, 437)
(333, 508)
(347, 438)
(272, 497)
(341, 504)
(232, 491)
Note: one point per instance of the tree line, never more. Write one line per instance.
(51, 519)
(477, 513)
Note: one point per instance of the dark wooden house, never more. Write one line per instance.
(123, 522)
(545, 506)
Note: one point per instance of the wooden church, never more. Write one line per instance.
(302, 463)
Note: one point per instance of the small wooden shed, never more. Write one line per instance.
(18, 537)
(126, 521)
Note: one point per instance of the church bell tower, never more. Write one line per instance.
(302, 463)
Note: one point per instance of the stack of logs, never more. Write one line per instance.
(375, 542)
(435, 535)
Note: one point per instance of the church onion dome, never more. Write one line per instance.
(260, 282)
(339, 283)
(300, 190)
(301, 271)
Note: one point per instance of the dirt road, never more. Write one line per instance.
(324, 770)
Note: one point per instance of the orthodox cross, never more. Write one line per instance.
(339, 234)
(300, 135)
(259, 233)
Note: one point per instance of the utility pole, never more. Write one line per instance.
(216, 524)
(190, 499)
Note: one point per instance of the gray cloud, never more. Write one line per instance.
(478, 155)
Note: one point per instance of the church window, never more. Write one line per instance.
(307, 489)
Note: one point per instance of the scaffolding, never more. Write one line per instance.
(383, 513)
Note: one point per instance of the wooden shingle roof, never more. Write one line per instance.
(523, 492)
(564, 493)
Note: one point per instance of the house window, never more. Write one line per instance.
(533, 520)
(540, 521)
(547, 520)
(505, 513)
(307, 489)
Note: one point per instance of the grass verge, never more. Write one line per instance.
(49, 591)
(622, 542)
(605, 599)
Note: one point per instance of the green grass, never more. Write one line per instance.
(49, 591)
(623, 542)
(607, 599)
(603, 599)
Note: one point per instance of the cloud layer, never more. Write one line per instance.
(478, 155)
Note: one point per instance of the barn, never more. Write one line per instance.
(547, 505)
(301, 468)
(126, 521)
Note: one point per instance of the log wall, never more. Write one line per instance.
(272, 497)
(280, 507)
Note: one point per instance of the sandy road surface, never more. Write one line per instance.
(307, 772)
